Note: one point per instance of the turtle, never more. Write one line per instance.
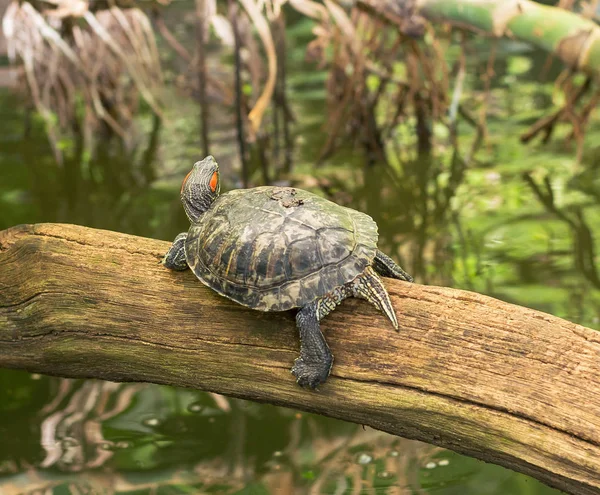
(277, 248)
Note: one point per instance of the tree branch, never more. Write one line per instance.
(499, 382)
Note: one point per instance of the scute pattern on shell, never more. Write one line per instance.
(275, 248)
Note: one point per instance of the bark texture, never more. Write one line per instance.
(499, 382)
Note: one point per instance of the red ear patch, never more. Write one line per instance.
(185, 180)
(214, 181)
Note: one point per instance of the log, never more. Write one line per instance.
(492, 380)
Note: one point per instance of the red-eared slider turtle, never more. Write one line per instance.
(278, 248)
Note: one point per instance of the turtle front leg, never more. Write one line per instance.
(314, 364)
(385, 266)
(175, 257)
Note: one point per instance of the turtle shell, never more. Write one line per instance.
(277, 248)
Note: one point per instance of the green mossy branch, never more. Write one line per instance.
(569, 36)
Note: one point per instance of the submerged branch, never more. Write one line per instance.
(583, 240)
(499, 382)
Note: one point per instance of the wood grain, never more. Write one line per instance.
(499, 382)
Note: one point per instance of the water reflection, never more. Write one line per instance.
(132, 437)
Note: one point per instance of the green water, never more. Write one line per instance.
(493, 236)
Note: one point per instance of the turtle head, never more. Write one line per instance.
(200, 188)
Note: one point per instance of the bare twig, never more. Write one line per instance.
(546, 124)
(239, 117)
(201, 36)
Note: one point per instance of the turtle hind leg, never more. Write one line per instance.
(314, 364)
(368, 286)
(175, 257)
(386, 267)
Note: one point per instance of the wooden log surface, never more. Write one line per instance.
(499, 382)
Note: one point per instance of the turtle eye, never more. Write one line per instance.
(214, 181)
(185, 180)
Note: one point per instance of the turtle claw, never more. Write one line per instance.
(311, 374)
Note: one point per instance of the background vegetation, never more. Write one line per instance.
(478, 158)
